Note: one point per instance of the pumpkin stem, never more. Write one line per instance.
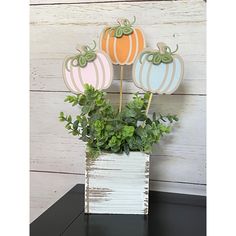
(85, 48)
(124, 27)
(126, 22)
(167, 49)
(86, 54)
(119, 21)
(162, 47)
(79, 48)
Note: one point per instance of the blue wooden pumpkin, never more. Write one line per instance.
(158, 71)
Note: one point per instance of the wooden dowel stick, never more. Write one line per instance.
(121, 86)
(149, 103)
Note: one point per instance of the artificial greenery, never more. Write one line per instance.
(104, 129)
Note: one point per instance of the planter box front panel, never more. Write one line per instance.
(117, 184)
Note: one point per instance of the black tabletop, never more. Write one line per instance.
(170, 214)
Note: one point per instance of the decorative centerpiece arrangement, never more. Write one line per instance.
(119, 140)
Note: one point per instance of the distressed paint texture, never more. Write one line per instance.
(117, 184)
(57, 159)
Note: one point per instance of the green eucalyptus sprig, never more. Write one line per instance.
(124, 27)
(104, 129)
(163, 55)
(86, 54)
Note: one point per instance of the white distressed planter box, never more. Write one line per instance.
(117, 184)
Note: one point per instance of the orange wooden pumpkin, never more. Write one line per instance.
(122, 42)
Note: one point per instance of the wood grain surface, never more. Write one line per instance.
(108, 181)
(49, 2)
(56, 27)
(180, 156)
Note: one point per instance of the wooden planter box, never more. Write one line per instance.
(117, 184)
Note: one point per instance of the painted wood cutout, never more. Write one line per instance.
(122, 42)
(87, 67)
(117, 184)
(158, 71)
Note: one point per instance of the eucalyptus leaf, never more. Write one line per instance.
(126, 148)
(75, 124)
(105, 130)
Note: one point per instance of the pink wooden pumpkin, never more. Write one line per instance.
(88, 67)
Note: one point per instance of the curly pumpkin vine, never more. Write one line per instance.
(86, 54)
(124, 27)
(163, 55)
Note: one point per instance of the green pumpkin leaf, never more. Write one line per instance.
(82, 61)
(150, 57)
(167, 58)
(90, 56)
(119, 32)
(157, 59)
(127, 30)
